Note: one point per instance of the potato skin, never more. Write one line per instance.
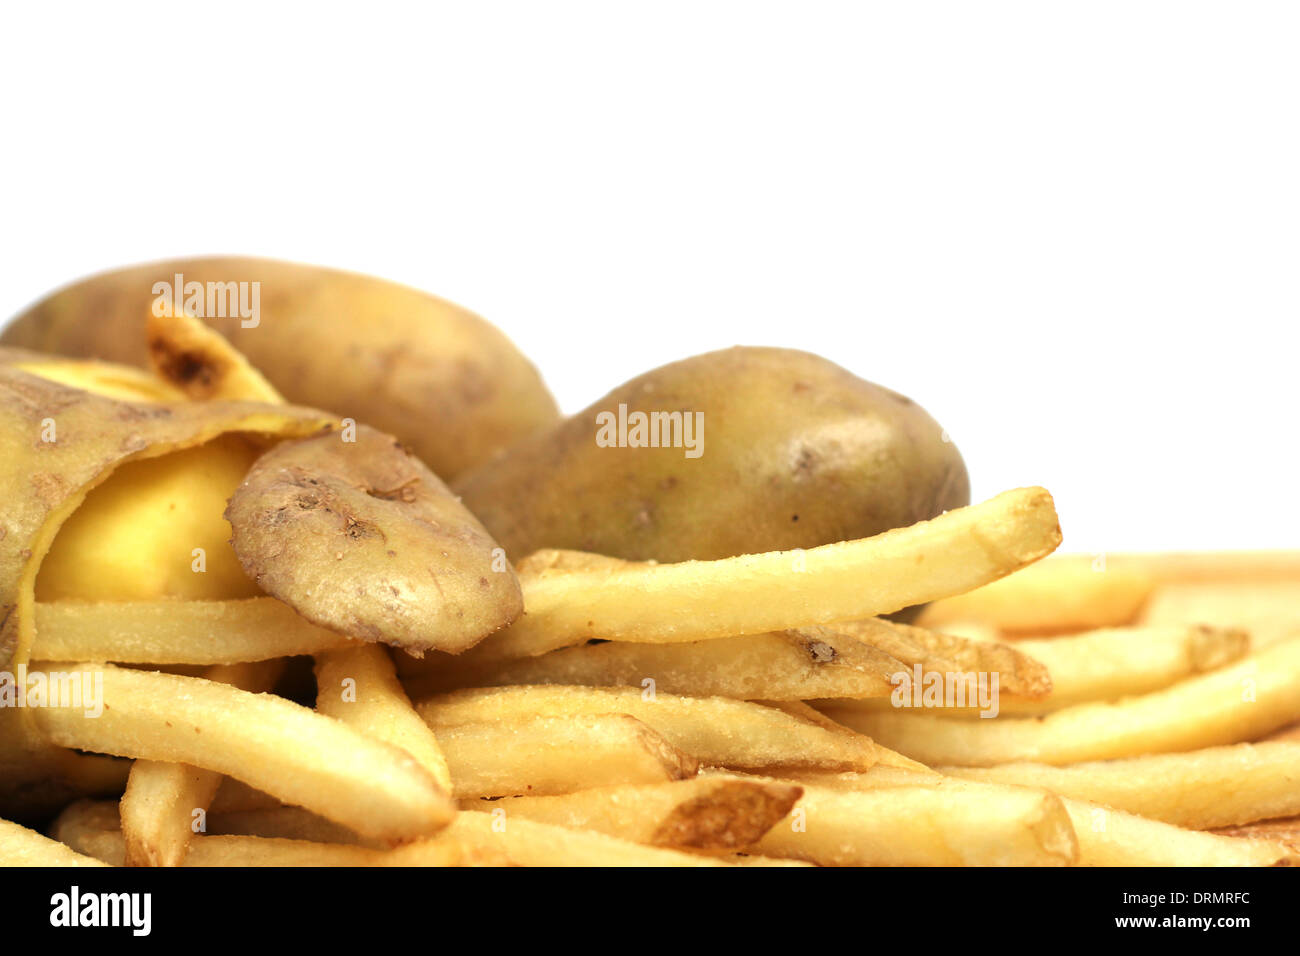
(443, 380)
(797, 452)
(44, 480)
(361, 538)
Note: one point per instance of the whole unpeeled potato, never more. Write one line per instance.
(794, 452)
(446, 382)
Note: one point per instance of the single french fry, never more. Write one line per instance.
(166, 803)
(177, 632)
(717, 813)
(1113, 838)
(1268, 610)
(295, 754)
(1067, 593)
(548, 754)
(922, 825)
(1110, 664)
(788, 665)
(714, 730)
(531, 843)
(1240, 702)
(91, 828)
(20, 846)
(359, 686)
(1019, 674)
(1105, 837)
(567, 601)
(1200, 789)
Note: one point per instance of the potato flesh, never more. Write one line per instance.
(135, 536)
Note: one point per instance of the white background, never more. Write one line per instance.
(1070, 230)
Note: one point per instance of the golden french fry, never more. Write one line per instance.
(90, 828)
(1105, 837)
(1240, 702)
(1068, 593)
(788, 665)
(1268, 610)
(20, 846)
(1113, 838)
(1019, 674)
(1200, 789)
(568, 601)
(531, 843)
(714, 730)
(293, 753)
(177, 632)
(548, 754)
(359, 686)
(716, 813)
(1110, 664)
(923, 825)
(164, 802)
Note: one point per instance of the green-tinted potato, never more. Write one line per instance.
(795, 452)
(447, 383)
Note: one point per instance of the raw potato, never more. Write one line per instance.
(797, 452)
(361, 538)
(443, 380)
(46, 481)
(136, 535)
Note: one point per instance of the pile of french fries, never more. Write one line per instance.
(743, 711)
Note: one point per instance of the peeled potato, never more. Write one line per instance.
(155, 529)
(59, 444)
(361, 538)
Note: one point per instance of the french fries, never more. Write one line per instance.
(707, 813)
(91, 828)
(1114, 663)
(177, 632)
(1240, 702)
(524, 842)
(165, 803)
(923, 825)
(1103, 836)
(359, 687)
(713, 730)
(514, 754)
(293, 753)
(1075, 593)
(1269, 610)
(20, 846)
(568, 601)
(1200, 789)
